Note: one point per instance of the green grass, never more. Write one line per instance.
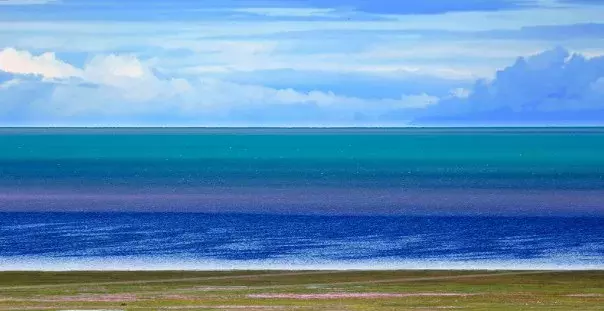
(234, 290)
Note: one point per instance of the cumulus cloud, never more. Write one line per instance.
(552, 86)
(219, 102)
(123, 86)
(130, 78)
(46, 65)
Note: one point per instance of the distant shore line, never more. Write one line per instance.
(39, 263)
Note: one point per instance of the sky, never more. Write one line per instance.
(301, 63)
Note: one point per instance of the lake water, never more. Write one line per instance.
(59, 241)
(301, 198)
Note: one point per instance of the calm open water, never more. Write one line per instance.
(303, 198)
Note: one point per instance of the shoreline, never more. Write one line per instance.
(154, 264)
(528, 271)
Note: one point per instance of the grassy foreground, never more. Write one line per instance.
(302, 290)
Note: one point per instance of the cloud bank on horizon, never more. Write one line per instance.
(301, 63)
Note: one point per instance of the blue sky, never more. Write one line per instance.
(301, 62)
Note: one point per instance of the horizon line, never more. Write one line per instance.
(306, 127)
(307, 215)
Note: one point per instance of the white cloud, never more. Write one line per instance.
(417, 101)
(125, 74)
(336, 63)
(199, 56)
(444, 59)
(112, 66)
(131, 78)
(124, 85)
(218, 45)
(288, 12)
(554, 86)
(460, 93)
(553, 82)
(229, 94)
(590, 53)
(45, 65)
(216, 99)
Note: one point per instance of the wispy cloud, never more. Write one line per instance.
(284, 12)
(26, 2)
